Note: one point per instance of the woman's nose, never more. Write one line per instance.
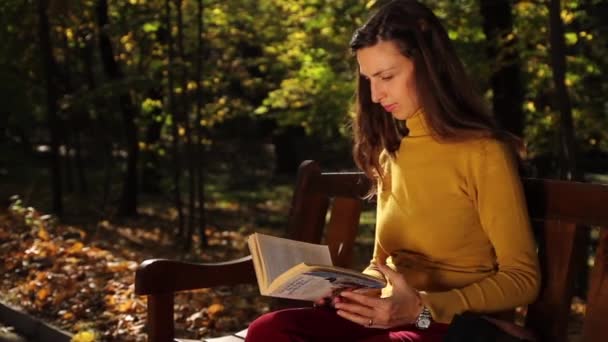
(377, 93)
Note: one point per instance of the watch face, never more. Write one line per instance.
(423, 323)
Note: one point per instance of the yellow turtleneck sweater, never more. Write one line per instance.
(452, 218)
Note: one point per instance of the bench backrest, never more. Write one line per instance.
(561, 212)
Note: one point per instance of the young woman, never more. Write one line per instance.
(452, 231)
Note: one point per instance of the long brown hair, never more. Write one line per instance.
(453, 109)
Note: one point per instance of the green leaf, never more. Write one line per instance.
(151, 26)
(571, 38)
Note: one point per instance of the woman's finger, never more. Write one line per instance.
(362, 298)
(392, 276)
(364, 321)
(369, 292)
(360, 310)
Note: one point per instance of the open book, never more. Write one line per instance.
(299, 270)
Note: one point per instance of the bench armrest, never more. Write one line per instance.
(161, 276)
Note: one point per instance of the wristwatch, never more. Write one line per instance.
(424, 319)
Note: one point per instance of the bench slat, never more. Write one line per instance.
(342, 229)
(344, 184)
(594, 329)
(558, 243)
(572, 202)
(308, 208)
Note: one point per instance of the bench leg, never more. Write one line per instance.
(160, 318)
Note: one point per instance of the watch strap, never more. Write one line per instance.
(424, 319)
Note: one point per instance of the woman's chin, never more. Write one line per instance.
(401, 116)
(404, 116)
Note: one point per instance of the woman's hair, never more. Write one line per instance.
(453, 110)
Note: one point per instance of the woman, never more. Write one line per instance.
(452, 231)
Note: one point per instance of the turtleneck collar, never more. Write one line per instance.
(417, 125)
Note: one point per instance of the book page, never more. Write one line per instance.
(304, 287)
(309, 282)
(260, 273)
(279, 255)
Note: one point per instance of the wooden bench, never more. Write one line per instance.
(561, 212)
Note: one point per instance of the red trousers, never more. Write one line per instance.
(323, 324)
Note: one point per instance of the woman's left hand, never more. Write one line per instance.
(401, 308)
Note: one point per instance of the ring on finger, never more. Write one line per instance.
(370, 322)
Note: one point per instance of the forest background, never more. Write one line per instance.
(174, 128)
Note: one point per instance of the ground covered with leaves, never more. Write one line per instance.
(84, 284)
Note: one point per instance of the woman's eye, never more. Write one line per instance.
(386, 78)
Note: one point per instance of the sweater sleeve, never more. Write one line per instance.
(495, 189)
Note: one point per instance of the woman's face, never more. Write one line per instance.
(391, 77)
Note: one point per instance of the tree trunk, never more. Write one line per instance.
(200, 148)
(507, 88)
(567, 145)
(50, 73)
(67, 160)
(174, 124)
(128, 202)
(567, 150)
(151, 162)
(69, 122)
(185, 118)
(71, 134)
(151, 167)
(86, 54)
(82, 180)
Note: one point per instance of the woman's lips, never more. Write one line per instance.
(390, 108)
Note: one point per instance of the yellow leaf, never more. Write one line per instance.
(125, 306)
(85, 336)
(42, 294)
(77, 247)
(119, 266)
(214, 309)
(59, 298)
(43, 234)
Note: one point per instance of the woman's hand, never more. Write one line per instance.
(401, 308)
(335, 297)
